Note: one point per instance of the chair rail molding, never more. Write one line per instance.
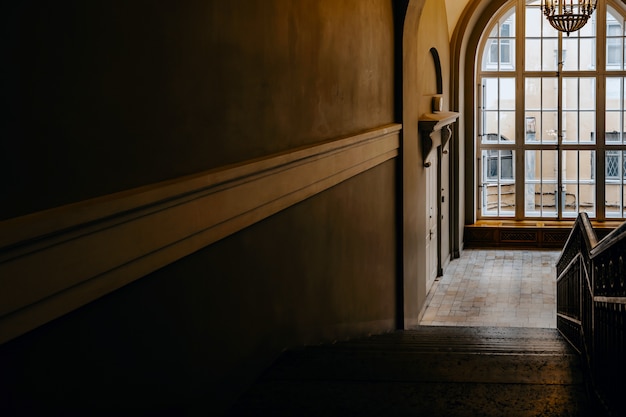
(55, 261)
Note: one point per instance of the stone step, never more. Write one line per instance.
(427, 366)
(430, 371)
(466, 339)
(390, 399)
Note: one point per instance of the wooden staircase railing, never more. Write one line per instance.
(591, 308)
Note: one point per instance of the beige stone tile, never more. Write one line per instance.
(488, 287)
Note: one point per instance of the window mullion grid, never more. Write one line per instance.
(601, 145)
(623, 140)
(559, 127)
(498, 155)
(610, 150)
(520, 119)
(577, 150)
(600, 173)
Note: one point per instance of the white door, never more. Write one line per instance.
(431, 224)
(444, 210)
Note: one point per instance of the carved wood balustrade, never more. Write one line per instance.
(591, 308)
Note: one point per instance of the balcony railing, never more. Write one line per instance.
(591, 308)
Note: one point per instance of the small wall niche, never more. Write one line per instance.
(434, 127)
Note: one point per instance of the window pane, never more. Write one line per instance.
(533, 59)
(507, 199)
(623, 204)
(541, 183)
(578, 93)
(578, 54)
(612, 165)
(614, 137)
(499, 52)
(530, 129)
(570, 94)
(490, 127)
(587, 195)
(614, 49)
(549, 127)
(493, 52)
(490, 93)
(507, 48)
(498, 165)
(490, 55)
(541, 103)
(498, 182)
(539, 53)
(505, 52)
(578, 192)
(579, 49)
(589, 30)
(507, 93)
(578, 110)
(498, 116)
(614, 203)
(613, 124)
(614, 93)
(533, 93)
(489, 199)
(569, 194)
(614, 119)
(586, 127)
(549, 56)
(507, 127)
(549, 93)
(614, 40)
(533, 21)
(571, 48)
(587, 90)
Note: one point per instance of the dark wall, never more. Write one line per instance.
(191, 336)
(103, 96)
(106, 96)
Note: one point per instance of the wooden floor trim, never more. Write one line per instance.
(526, 233)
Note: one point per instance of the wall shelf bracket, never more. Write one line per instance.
(435, 130)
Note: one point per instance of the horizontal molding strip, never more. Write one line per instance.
(57, 260)
(609, 300)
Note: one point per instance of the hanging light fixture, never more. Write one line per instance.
(568, 15)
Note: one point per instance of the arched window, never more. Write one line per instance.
(551, 132)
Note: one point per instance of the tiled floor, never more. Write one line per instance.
(513, 288)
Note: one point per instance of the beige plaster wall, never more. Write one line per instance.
(454, 9)
(189, 338)
(109, 96)
(104, 97)
(424, 27)
(433, 32)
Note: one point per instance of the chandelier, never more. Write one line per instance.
(568, 15)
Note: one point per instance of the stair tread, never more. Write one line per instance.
(315, 398)
(463, 339)
(426, 371)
